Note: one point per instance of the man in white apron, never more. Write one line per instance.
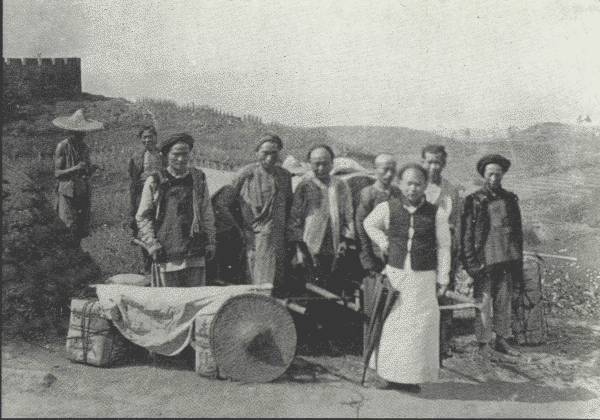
(416, 238)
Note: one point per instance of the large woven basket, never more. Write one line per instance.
(253, 338)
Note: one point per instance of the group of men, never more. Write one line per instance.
(411, 224)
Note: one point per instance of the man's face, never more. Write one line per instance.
(179, 156)
(321, 163)
(492, 174)
(268, 154)
(148, 140)
(77, 135)
(434, 164)
(386, 172)
(412, 185)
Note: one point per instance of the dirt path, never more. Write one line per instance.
(560, 379)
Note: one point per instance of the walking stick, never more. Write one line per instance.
(156, 279)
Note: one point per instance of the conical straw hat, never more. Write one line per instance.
(253, 338)
(77, 122)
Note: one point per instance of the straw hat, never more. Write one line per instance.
(253, 338)
(77, 122)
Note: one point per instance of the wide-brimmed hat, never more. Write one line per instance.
(77, 122)
(492, 158)
(167, 143)
(253, 338)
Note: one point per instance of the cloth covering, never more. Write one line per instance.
(73, 190)
(160, 319)
(408, 351)
(316, 207)
(259, 203)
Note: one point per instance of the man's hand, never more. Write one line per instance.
(209, 252)
(155, 255)
(342, 248)
(82, 165)
(442, 288)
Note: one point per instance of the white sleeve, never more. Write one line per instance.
(442, 233)
(145, 217)
(376, 225)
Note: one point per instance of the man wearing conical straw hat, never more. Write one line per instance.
(72, 169)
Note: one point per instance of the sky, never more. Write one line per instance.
(419, 64)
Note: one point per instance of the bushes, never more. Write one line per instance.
(41, 268)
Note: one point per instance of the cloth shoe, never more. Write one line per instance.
(409, 388)
(485, 350)
(503, 347)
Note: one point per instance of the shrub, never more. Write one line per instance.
(41, 268)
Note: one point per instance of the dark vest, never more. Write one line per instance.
(174, 219)
(423, 252)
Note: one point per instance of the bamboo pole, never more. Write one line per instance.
(558, 257)
(457, 306)
(292, 306)
(332, 296)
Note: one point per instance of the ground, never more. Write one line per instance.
(559, 379)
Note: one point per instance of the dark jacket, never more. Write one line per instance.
(476, 226)
(136, 184)
(370, 197)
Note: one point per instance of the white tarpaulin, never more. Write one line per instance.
(160, 319)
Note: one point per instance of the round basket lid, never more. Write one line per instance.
(253, 338)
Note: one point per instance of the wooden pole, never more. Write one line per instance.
(459, 306)
(332, 296)
(292, 306)
(558, 257)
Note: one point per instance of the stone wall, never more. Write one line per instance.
(42, 77)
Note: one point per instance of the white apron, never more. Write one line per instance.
(409, 347)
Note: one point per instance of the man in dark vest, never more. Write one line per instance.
(142, 164)
(175, 216)
(416, 238)
(492, 252)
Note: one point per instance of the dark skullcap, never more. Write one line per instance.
(167, 143)
(270, 138)
(492, 158)
(143, 128)
(415, 166)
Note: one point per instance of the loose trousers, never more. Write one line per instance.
(75, 214)
(188, 277)
(494, 289)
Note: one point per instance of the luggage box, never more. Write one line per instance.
(92, 339)
(205, 364)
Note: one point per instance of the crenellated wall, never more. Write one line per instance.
(42, 77)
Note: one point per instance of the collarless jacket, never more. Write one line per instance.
(476, 227)
(136, 184)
